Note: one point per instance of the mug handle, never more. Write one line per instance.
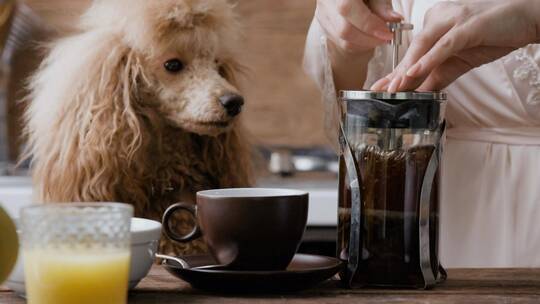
(193, 234)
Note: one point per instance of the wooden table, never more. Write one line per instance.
(463, 286)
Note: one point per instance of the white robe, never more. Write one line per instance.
(490, 203)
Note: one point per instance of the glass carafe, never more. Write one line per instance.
(389, 188)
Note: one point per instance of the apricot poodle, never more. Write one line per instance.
(139, 105)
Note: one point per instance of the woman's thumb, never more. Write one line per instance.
(383, 9)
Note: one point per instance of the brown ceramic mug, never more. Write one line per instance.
(246, 228)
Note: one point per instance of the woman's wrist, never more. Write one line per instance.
(350, 68)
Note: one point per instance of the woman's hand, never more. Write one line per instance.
(354, 29)
(459, 36)
(356, 26)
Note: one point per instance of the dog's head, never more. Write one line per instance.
(184, 52)
(105, 98)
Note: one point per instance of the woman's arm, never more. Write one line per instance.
(350, 69)
(459, 36)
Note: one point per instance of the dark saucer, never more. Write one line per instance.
(303, 272)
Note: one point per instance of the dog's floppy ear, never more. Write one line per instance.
(83, 124)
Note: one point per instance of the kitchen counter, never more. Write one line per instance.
(16, 192)
(463, 286)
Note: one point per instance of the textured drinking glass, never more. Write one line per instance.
(76, 252)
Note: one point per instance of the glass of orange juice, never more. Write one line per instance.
(76, 252)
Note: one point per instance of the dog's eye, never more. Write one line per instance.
(174, 65)
(222, 70)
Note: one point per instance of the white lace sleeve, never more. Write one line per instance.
(528, 72)
(317, 65)
(523, 67)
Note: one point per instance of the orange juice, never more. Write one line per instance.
(76, 276)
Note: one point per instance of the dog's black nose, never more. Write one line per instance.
(232, 103)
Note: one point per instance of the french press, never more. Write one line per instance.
(389, 186)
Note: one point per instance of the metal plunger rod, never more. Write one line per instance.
(396, 42)
(397, 29)
(390, 136)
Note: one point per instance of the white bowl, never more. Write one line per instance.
(145, 236)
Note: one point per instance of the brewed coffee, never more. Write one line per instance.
(391, 183)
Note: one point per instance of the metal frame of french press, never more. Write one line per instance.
(355, 183)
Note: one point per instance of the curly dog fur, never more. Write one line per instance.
(108, 122)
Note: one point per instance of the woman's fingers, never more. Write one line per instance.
(450, 70)
(407, 83)
(384, 9)
(382, 84)
(428, 59)
(451, 43)
(395, 84)
(365, 20)
(444, 75)
(433, 30)
(356, 25)
(349, 38)
(440, 25)
(457, 37)
(420, 45)
(343, 21)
